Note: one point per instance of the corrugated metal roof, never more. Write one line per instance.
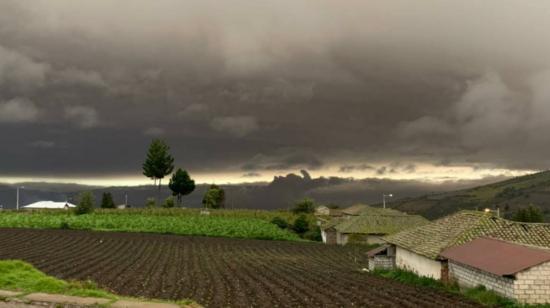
(496, 256)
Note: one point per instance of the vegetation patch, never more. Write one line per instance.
(173, 221)
(479, 294)
(21, 276)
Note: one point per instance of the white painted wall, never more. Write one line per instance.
(413, 262)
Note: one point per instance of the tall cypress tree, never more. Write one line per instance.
(159, 163)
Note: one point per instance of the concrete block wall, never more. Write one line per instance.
(532, 286)
(381, 262)
(471, 277)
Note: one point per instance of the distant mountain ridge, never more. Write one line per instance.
(281, 193)
(508, 196)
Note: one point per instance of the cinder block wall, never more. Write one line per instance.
(471, 277)
(532, 286)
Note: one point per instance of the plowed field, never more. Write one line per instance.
(217, 272)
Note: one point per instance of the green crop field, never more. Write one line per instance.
(224, 223)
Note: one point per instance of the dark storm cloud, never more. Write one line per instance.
(271, 85)
(283, 159)
(350, 168)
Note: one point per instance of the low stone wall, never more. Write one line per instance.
(532, 286)
(471, 277)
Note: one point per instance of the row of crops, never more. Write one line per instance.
(236, 224)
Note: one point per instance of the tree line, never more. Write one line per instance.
(158, 164)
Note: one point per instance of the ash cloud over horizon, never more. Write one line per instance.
(264, 86)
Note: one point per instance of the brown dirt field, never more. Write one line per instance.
(217, 272)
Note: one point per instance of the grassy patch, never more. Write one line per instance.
(182, 222)
(479, 294)
(21, 276)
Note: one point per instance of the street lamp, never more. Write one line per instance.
(17, 203)
(384, 198)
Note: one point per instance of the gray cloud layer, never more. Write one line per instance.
(267, 85)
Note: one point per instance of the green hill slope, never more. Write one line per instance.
(507, 195)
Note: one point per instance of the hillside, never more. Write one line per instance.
(508, 196)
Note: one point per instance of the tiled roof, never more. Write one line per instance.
(363, 209)
(429, 240)
(533, 234)
(332, 223)
(378, 223)
(355, 209)
(375, 221)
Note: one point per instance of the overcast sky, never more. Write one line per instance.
(244, 90)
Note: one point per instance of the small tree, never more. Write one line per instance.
(214, 198)
(306, 205)
(107, 201)
(181, 184)
(86, 204)
(281, 223)
(169, 203)
(151, 203)
(159, 163)
(301, 225)
(529, 214)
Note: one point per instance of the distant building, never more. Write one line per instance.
(324, 210)
(49, 205)
(355, 210)
(368, 225)
(512, 270)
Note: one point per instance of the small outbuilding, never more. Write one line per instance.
(49, 205)
(418, 249)
(382, 257)
(512, 270)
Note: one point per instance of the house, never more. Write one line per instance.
(419, 249)
(49, 205)
(512, 270)
(369, 227)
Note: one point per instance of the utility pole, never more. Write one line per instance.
(17, 202)
(384, 199)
